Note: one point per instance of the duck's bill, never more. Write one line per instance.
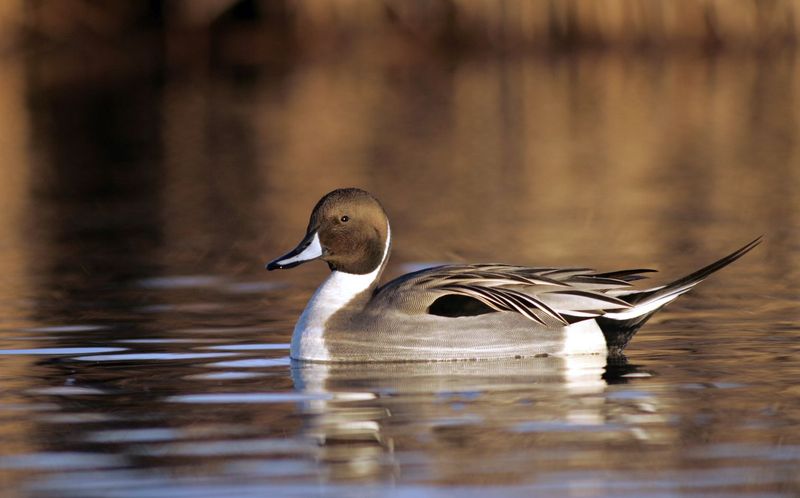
(308, 249)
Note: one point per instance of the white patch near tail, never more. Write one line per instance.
(584, 337)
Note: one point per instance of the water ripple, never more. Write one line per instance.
(152, 356)
(265, 397)
(253, 363)
(225, 376)
(251, 347)
(61, 460)
(58, 351)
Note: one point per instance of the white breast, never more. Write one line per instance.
(308, 341)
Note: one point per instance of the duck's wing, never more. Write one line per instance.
(544, 295)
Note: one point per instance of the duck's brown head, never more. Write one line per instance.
(348, 229)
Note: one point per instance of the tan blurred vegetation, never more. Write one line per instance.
(656, 151)
(586, 138)
(530, 130)
(494, 24)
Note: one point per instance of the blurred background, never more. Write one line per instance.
(154, 154)
(198, 134)
(141, 138)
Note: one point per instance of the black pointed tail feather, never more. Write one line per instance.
(619, 332)
(692, 279)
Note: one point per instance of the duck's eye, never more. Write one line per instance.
(345, 219)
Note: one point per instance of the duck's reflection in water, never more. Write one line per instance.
(373, 420)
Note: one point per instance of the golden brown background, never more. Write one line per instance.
(154, 154)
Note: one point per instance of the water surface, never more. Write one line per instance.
(144, 351)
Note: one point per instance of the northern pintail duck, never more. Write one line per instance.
(457, 312)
